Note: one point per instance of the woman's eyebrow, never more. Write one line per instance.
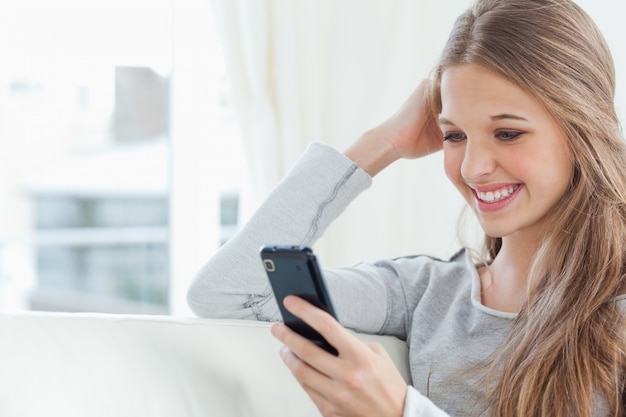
(504, 116)
(508, 116)
(444, 121)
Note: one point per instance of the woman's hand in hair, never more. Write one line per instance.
(411, 132)
(361, 381)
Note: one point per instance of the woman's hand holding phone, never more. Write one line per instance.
(293, 269)
(361, 381)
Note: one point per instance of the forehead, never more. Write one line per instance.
(473, 89)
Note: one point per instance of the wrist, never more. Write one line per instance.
(372, 152)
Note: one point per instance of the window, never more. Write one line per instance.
(85, 171)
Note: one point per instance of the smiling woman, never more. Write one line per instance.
(504, 152)
(532, 322)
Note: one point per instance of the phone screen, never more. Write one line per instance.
(293, 270)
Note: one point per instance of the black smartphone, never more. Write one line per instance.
(294, 270)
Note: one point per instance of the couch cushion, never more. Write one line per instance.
(95, 365)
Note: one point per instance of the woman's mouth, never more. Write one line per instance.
(494, 196)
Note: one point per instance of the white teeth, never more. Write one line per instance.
(497, 195)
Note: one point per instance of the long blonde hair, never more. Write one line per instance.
(567, 348)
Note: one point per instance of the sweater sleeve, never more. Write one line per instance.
(233, 284)
(417, 405)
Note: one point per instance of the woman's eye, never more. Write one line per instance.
(453, 137)
(507, 135)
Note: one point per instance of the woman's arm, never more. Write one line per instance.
(233, 284)
(362, 380)
(410, 133)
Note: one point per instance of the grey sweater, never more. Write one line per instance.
(432, 304)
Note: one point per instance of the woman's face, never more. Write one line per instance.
(502, 150)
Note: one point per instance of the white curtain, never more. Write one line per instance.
(327, 70)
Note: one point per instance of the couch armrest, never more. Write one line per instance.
(96, 365)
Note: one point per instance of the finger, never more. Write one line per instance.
(325, 324)
(305, 349)
(319, 387)
(377, 348)
(323, 404)
(317, 384)
(304, 373)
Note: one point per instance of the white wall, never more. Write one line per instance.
(609, 16)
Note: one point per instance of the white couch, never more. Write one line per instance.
(96, 365)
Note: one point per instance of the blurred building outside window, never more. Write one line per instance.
(84, 161)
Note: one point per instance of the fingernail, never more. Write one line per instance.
(288, 301)
(283, 351)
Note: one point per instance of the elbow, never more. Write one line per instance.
(194, 301)
(206, 301)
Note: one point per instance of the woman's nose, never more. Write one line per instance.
(478, 160)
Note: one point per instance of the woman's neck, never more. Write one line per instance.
(504, 282)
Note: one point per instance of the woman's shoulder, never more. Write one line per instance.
(459, 260)
(430, 269)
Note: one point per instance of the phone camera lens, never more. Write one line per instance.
(269, 265)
